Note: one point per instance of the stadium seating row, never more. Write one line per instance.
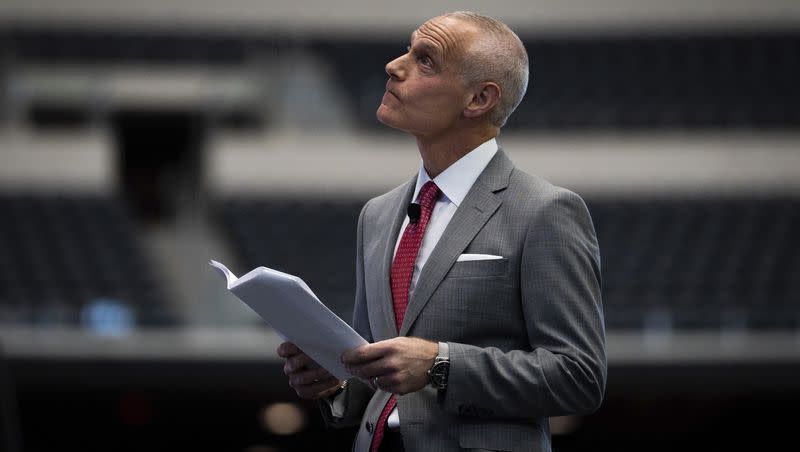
(63, 257)
(668, 264)
(606, 82)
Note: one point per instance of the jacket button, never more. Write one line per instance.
(369, 426)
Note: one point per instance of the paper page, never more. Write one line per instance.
(290, 306)
(223, 270)
(279, 275)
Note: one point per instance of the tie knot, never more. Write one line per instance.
(428, 194)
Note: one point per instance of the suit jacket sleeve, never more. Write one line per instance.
(357, 394)
(564, 371)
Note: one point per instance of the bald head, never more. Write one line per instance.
(495, 55)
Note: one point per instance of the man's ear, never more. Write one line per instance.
(483, 99)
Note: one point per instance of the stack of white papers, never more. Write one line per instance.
(291, 308)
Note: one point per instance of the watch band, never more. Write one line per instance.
(444, 351)
(439, 371)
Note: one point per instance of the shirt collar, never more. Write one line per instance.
(456, 180)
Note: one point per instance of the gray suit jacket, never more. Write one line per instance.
(525, 332)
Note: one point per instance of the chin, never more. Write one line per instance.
(385, 117)
(392, 118)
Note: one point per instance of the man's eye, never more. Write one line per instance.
(425, 60)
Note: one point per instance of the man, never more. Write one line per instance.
(481, 303)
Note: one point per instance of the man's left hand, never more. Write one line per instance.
(401, 364)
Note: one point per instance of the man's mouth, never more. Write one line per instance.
(389, 94)
(390, 90)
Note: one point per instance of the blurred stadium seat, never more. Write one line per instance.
(59, 254)
(700, 264)
(311, 238)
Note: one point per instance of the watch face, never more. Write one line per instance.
(439, 374)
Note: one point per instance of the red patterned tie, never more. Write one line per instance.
(402, 271)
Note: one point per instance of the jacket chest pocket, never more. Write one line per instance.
(477, 269)
(478, 304)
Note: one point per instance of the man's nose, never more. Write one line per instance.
(395, 68)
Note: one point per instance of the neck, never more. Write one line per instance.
(438, 154)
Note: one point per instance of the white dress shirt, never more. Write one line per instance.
(454, 183)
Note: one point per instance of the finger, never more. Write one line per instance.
(309, 377)
(400, 383)
(375, 368)
(390, 382)
(365, 353)
(383, 382)
(315, 390)
(287, 349)
(296, 363)
(301, 361)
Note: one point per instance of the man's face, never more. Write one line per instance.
(426, 95)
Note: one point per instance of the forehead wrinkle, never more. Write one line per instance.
(441, 36)
(424, 44)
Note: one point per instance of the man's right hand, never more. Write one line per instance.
(306, 377)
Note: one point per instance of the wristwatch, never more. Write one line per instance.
(340, 389)
(438, 373)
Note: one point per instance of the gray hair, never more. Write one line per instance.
(499, 57)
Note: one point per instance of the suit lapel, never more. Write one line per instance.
(478, 206)
(393, 224)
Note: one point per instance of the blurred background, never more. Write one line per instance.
(140, 139)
